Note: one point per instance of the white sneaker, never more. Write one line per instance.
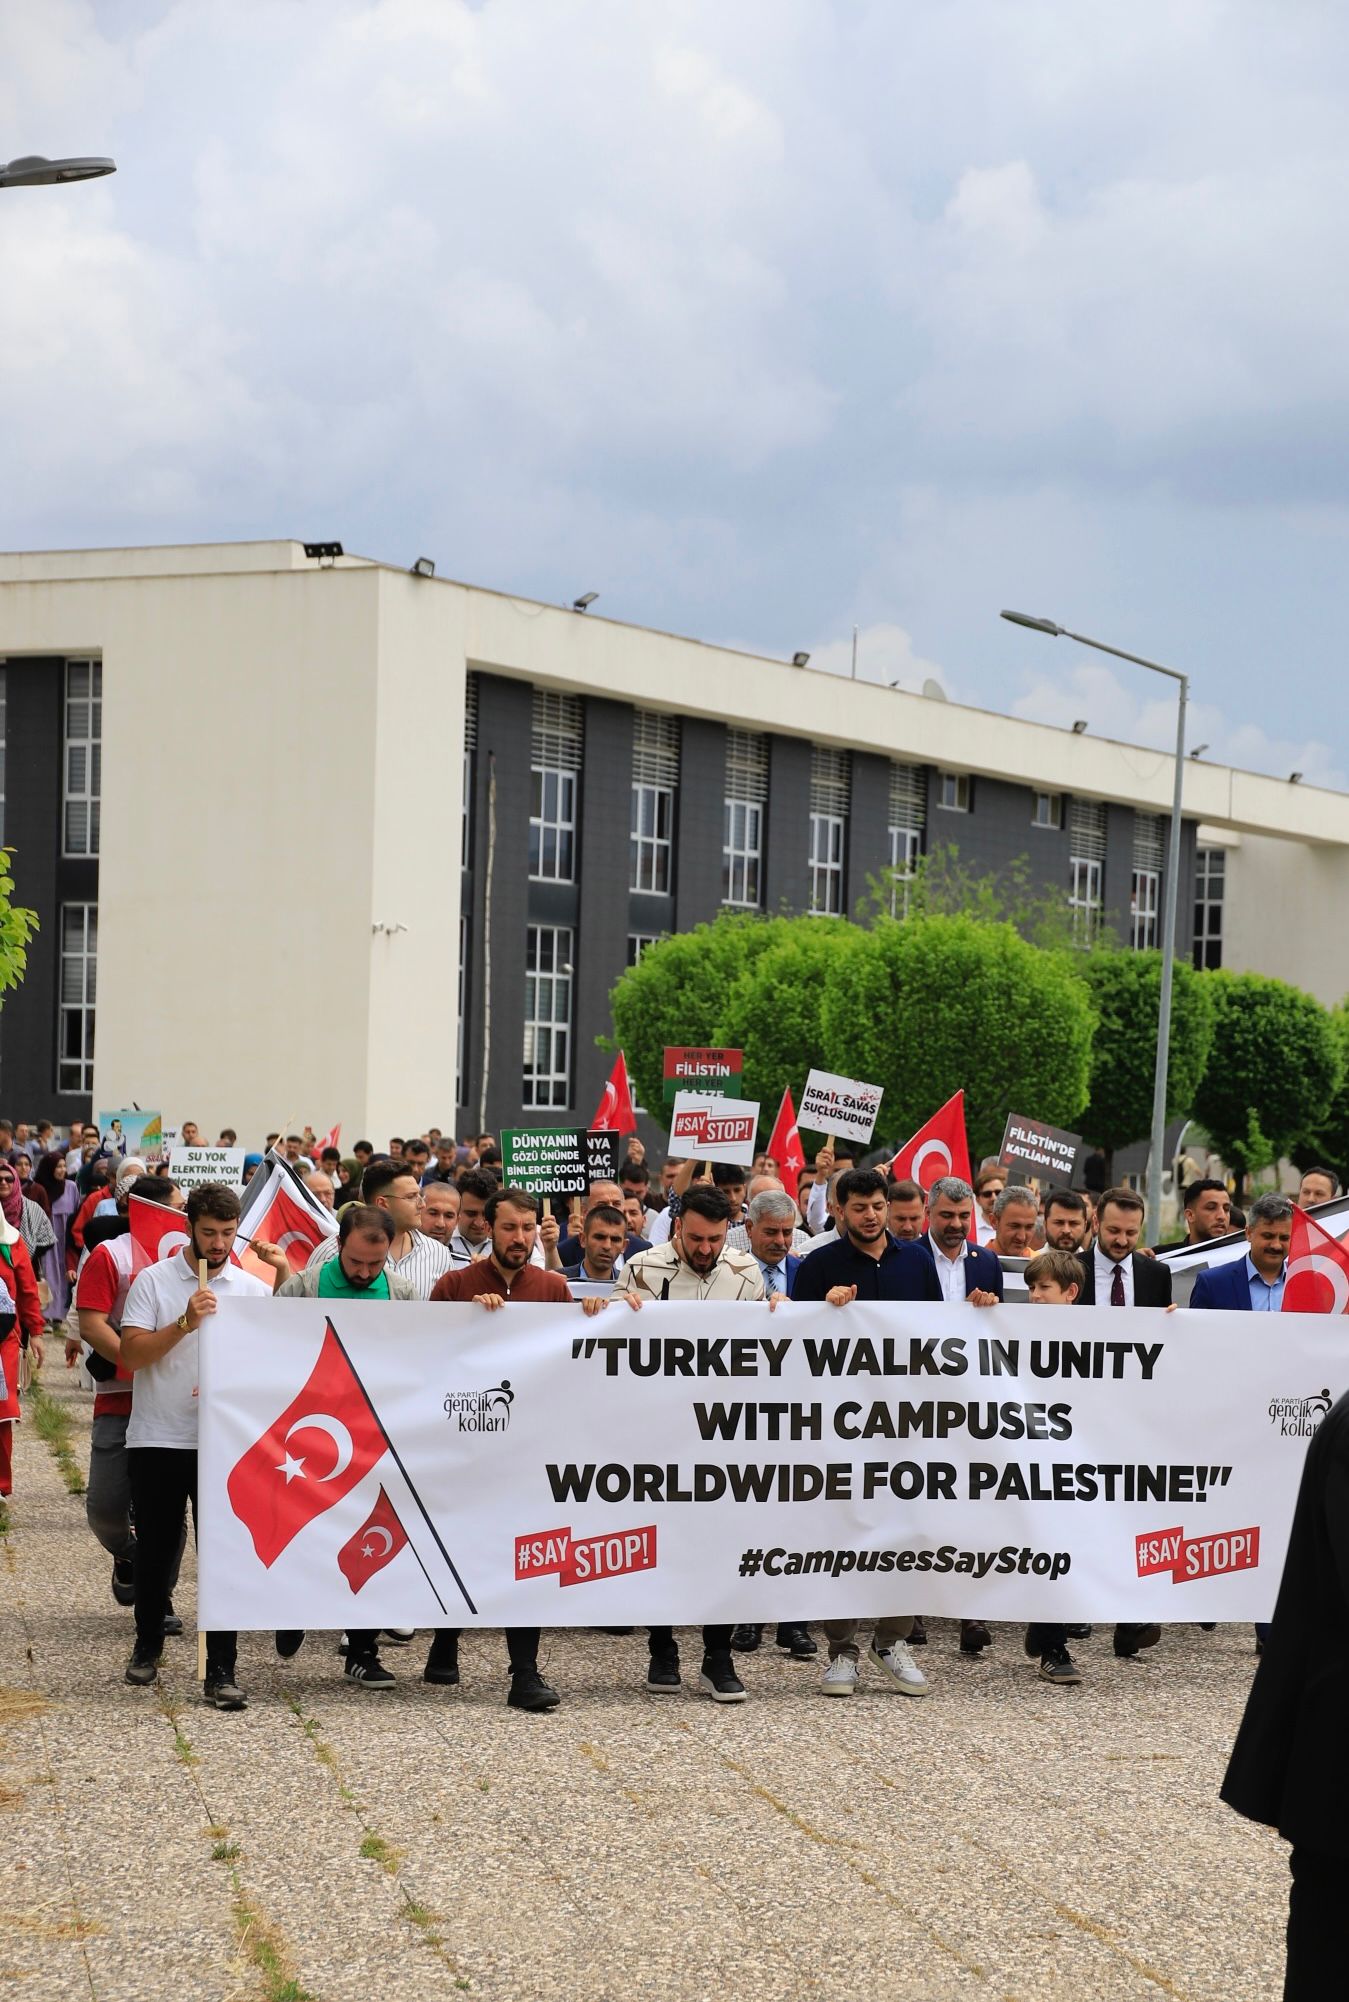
(841, 1676)
(898, 1663)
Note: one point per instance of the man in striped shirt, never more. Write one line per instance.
(388, 1185)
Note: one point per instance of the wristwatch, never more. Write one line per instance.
(184, 1326)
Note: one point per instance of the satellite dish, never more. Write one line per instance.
(934, 690)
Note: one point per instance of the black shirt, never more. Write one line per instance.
(904, 1271)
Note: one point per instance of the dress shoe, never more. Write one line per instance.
(1130, 1637)
(918, 1635)
(974, 1637)
(794, 1639)
(745, 1639)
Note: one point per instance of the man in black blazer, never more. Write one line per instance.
(1290, 1765)
(1115, 1273)
(967, 1271)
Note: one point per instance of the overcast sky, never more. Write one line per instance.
(763, 318)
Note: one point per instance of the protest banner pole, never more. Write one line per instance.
(201, 1654)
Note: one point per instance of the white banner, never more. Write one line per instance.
(843, 1106)
(193, 1167)
(417, 1465)
(708, 1128)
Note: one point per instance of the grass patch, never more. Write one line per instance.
(376, 1850)
(266, 1949)
(182, 1744)
(4, 1520)
(224, 1852)
(52, 1425)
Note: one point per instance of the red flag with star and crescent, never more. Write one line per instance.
(323, 1444)
(936, 1149)
(784, 1146)
(614, 1113)
(376, 1543)
(1316, 1279)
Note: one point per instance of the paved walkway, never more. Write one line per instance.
(1000, 1840)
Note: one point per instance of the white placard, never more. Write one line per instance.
(409, 1464)
(190, 1167)
(843, 1106)
(704, 1127)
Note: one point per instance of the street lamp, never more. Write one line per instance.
(32, 171)
(1169, 913)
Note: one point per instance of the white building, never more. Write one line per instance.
(313, 838)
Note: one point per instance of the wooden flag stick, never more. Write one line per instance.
(201, 1274)
(575, 1215)
(201, 1655)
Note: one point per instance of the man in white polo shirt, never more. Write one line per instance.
(164, 1309)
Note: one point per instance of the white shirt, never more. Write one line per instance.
(951, 1272)
(984, 1231)
(164, 1393)
(817, 1207)
(1105, 1277)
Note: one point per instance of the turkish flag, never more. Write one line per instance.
(1317, 1275)
(376, 1543)
(156, 1231)
(329, 1140)
(784, 1146)
(939, 1148)
(614, 1114)
(325, 1441)
(281, 1211)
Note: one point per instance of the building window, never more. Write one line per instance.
(1210, 882)
(548, 984)
(743, 823)
(638, 941)
(1144, 909)
(908, 817)
(470, 751)
(555, 761)
(953, 792)
(1048, 810)
(79, 985)
(1086, 869)
(650, 842)
(826, 864)
(84, 756)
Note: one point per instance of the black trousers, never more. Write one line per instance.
(522, 1646)
(1040, 1638)
(1318, 1929)
(716, 1640)
(163, 1486)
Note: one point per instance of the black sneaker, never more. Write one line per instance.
(143, 1666)
(918, 1636)
(744, 1639)
(289, 1642)
(173, 1622)
(124, 1580)
(1080, 1632)
(529, 1691)
(1057, 1665)
(222, 1692)
(442, 1666)
(369, 1671)
(662, 1674)
(720, 1680)
(794, 1639)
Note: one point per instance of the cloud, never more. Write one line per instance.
(884, 653)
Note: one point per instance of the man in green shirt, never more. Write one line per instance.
(359, 1272)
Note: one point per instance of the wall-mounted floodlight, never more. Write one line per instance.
(1079, 726)
(423, 567)
(586, 599)
(323, 552)
(800, 659)
(1198, 750)
(1295, 778)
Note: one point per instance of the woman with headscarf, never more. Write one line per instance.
(63, 1199)
(32, 1222)
(32, 1191)
(20, 1328)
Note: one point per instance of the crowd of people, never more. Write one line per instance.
(430, 1218)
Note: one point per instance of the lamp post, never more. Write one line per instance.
(34, 172)
(1169, 912)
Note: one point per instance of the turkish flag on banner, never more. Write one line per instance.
(376, 1543)
(939, 1148)
(1317, 1276)
(156, 1231)
(325, 1441)
(614, 1113)
(784, 1146)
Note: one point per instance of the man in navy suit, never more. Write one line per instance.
(1253, 1284)
(966, 1271)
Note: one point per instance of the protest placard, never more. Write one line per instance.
(132, 1132)
(1040, 1152)
(705, 1127)
(842, 1106)
(705, 1461)
(192, 1167)
(707, 1071)
(558, 1160)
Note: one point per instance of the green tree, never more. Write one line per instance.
(1125, 989)
(1326, 1143)
(773, 1010)
(1274, 1070)
(17, 926)
(941, 885)
(936, 1004)
(677, 992)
